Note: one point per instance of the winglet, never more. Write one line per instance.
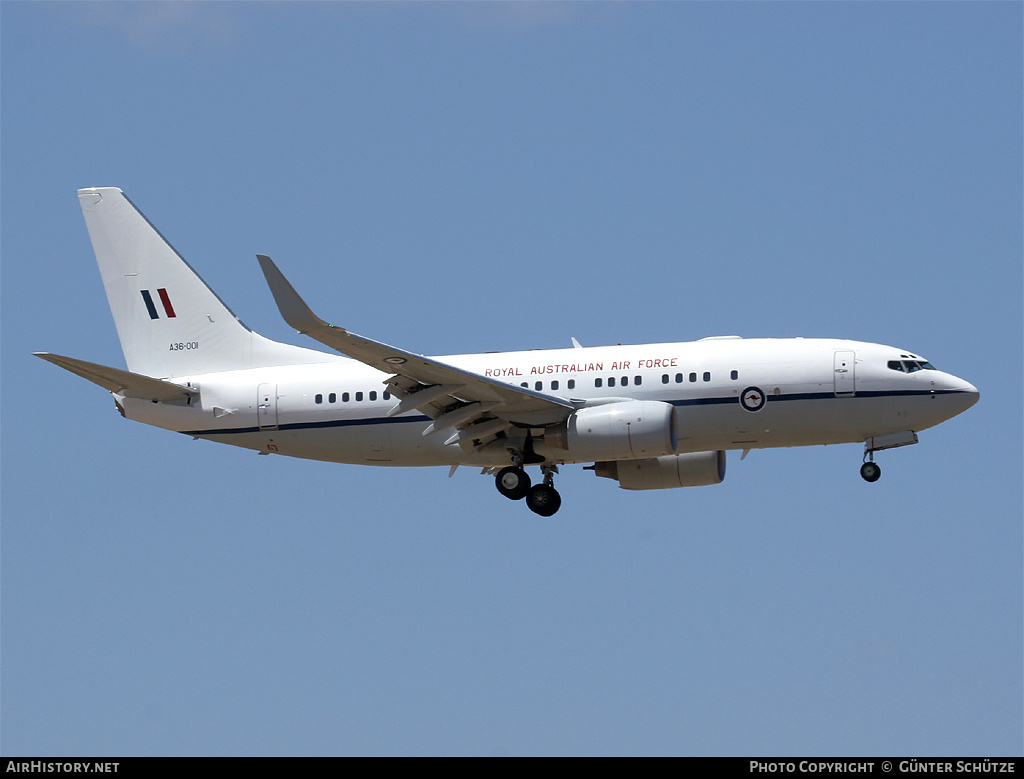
(292, 307)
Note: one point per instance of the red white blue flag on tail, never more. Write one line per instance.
(165, 300)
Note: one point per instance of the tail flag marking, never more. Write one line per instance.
(167, 302)
(164, 299)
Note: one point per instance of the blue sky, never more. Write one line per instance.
(470, 177)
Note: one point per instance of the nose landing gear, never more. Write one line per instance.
(870, 471)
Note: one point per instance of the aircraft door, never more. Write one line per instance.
(266, 403)
(845, 374)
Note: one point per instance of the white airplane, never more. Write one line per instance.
(649, 416)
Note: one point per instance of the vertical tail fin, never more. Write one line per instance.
(169, 322)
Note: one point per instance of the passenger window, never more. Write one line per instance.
(597, 382)
(373, 395)
(679, 378)
(359, 396)
(538, 386)
(734, 375)
(637, 380)
(525, 384)
(664, 378)
(386, 395)
(319, 399)
(707, 376)
(554, 385)
(571, 384)
(344, 397)
(625, 381)
(611, 381)
(332, 398)
(693, 377)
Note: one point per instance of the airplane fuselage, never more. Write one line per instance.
(729, 393)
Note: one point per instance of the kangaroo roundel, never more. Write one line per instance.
(752, 399)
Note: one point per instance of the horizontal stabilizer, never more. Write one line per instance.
(130, 385)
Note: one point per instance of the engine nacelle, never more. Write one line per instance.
(629, 429)
(660, 473)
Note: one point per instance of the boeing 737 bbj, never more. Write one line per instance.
(651, 416)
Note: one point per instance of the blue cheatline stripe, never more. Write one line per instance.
(703, 401)
(814, 396)
(312, 425)
(685, 402)
(149, 304)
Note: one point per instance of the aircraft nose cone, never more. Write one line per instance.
(972, 391)
(967, 393)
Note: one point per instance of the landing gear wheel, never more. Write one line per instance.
(512, 482)
(543, 500)
(870, 471)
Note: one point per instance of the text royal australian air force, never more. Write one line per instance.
(512, 371)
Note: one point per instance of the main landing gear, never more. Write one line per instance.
(514, 483)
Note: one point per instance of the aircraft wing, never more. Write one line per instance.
(130, 385)
(452, 396)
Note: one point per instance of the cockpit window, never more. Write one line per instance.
(910, 366)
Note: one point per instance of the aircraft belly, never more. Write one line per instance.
(782, 421)
(792, 420)
(365, 443)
